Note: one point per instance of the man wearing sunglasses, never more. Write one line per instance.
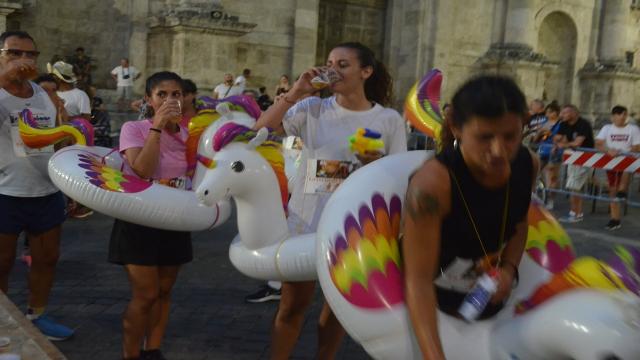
(29, 202)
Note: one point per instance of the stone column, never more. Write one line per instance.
(613, 40)
(138, 41)
(7, 8)
(305, 35)
(519, 28)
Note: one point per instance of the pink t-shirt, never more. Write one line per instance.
(173, 162)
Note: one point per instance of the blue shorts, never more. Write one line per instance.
(34, 215)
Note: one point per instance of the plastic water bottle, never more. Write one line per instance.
(477, 299)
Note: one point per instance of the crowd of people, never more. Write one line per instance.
(482, 176)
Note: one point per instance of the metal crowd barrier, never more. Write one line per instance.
(596, 187)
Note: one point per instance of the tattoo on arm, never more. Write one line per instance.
(418, 203)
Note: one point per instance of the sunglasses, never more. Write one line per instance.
(15, 53)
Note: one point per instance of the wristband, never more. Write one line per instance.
(516, 274)
(159, 131)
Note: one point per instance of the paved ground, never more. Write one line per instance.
(209, 319)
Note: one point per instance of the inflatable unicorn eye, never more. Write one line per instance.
(237, 166)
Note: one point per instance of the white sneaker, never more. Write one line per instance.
(549, 205)
(572, 218)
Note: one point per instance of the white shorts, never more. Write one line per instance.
(125, 92)
(576, 177)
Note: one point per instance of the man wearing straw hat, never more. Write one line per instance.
(76, 101)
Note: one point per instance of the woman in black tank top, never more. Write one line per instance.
(467, 208)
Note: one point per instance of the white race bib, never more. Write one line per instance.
(324, 176)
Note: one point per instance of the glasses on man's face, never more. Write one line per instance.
(16, 53)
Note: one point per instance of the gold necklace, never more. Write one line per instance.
(473, 223)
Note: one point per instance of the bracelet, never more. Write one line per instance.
(159, 131)
(516, 274)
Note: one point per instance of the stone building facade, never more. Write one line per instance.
(579, 51)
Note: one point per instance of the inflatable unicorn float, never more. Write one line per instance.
(93, 175)
(562, 308)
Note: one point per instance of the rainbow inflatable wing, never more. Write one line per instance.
(365, 261)
(78, 129)
(422, 106)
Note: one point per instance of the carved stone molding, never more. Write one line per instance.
(212, 20)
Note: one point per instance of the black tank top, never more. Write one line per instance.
(458, 238)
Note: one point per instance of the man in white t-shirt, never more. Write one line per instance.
(227, 88)
(29, 202)
(241, 81)
(614, 139)
(124, 75)
(76, 101)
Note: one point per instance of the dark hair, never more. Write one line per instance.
(155, 79)
(379, 86)
(572, 107)
(80, 49)
(17, 33)
(487, 96)
(553, 106)
(618, 109)
(188, 86)
(45, 78)
(262, 89)
(246, 72)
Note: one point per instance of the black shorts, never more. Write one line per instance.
(141, 245)
(34, 215)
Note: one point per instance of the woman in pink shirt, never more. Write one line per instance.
(154, 149)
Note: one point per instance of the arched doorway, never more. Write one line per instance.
(350, 20)
(557, 39)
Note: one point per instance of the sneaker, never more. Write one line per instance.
(549, 205)
(155, 354)
(52, 330)
(572, 218)
(81, 212)
(266, 293)
(613, 225)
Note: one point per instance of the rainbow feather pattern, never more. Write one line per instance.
(365, 263)
(108, 178)
(422, 105)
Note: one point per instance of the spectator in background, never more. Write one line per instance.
(574, 132)
(49, 83)
(82, 66)
(614, 139)
(227, 88)
(550, 156)
(101, 123)
(77, 104)
(283, 85)
(264, 101)
(189, 94)
(537, 119)
(125, 75)
(241, 81)
(76, 101)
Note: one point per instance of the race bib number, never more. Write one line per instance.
(324, 176)
(21, 150)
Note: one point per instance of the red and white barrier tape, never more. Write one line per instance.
(598, 160)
